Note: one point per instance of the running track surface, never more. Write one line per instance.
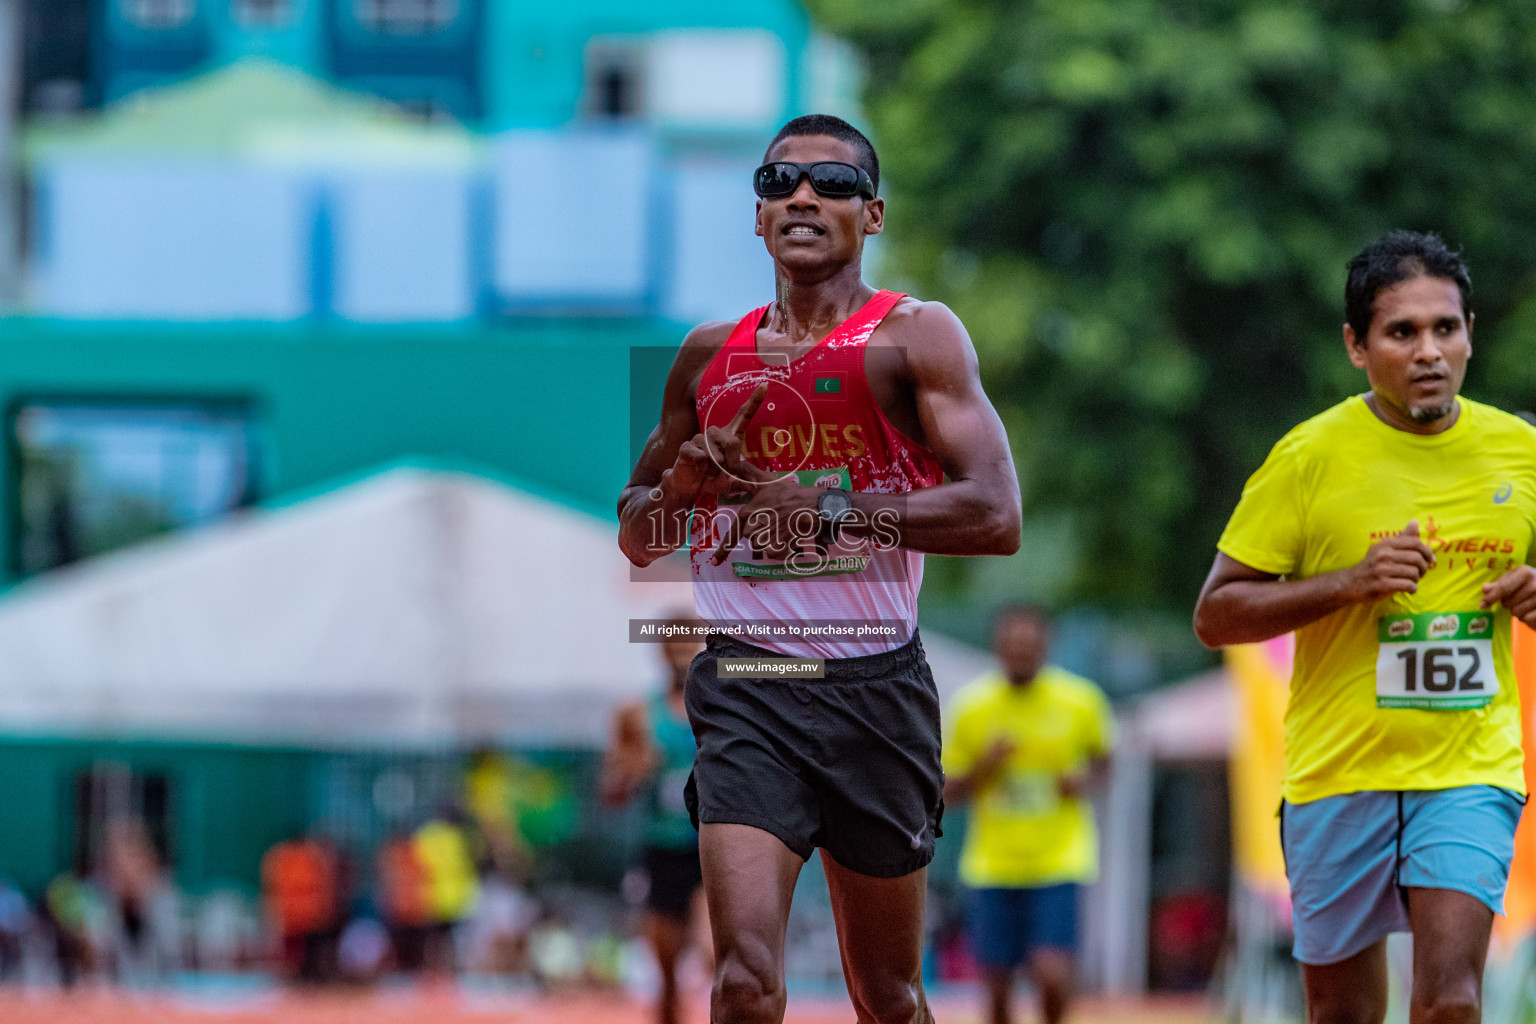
(451, 1006)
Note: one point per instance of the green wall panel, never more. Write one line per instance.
(227, 805)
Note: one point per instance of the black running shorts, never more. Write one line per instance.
(674, 876)
(849, 763)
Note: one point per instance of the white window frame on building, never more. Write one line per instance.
(405, 17)
(157, 15)
(732, 80)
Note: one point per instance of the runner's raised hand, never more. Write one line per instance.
(711, 461)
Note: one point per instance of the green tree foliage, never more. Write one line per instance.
(1142, 210)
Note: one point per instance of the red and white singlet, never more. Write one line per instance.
(820, 421)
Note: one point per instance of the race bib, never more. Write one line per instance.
(1027, 793)
(808, 564)
(1442, 661)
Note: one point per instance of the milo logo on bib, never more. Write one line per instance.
(829, 479)
(1439, 661)
(1443, 626)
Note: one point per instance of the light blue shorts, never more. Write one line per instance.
(1350, 857)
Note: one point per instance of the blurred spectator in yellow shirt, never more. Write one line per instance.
(1024, 745)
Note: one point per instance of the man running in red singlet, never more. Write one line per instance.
(802, 452)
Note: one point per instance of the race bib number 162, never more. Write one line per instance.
(1441, 661)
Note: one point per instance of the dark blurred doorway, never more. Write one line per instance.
(109, 792)
(1191, 874)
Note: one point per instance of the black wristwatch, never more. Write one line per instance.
(834, 508)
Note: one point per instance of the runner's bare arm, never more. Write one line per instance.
(676, 464)
(1240, 604)
(977, 511)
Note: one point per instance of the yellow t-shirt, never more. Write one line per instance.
(1021, 831)
(1417, 691)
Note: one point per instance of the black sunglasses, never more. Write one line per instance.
(830, 178)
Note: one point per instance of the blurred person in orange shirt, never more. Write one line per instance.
(299, 886)
(403, 900)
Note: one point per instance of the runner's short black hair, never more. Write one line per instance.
(827, 124)
(1395, 258)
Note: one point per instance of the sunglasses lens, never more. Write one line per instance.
(835, 179)
(774, 180)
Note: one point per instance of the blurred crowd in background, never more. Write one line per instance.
(514, 873)
(448, 896)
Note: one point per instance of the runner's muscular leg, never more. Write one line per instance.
(880, 935)
(1352, 991)
(1450, 945)
(749, 880)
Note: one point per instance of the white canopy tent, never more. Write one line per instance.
(415, 607)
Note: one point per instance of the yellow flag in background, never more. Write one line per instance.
(1261, 679)
(1520, 899)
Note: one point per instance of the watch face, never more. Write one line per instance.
(834, 504)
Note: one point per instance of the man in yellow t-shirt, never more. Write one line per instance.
(442, 849)
(1023, 745)
(1394, 534)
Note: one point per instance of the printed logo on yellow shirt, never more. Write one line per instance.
(1464, 554)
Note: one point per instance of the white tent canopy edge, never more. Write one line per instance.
(416, 607)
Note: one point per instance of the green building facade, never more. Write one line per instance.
(114, 430)
(542, 403)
